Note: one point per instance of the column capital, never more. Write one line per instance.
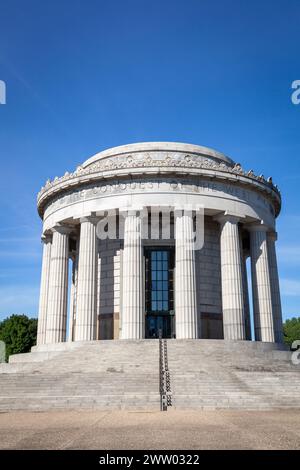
(46, 237)
(62, 228)
(191, 207)
(272, 235)
(228, 217)
(92, 219)
(257, 227)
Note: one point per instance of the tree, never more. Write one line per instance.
(18, 333)
(291, 330)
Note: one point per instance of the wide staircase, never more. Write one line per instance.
(211, 374)
(121, 374)
(101, 374)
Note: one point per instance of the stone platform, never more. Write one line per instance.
(124, 374)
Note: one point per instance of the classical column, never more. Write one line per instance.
(58, 286)
(86, 315)
(185, 277)
(73, 297)
(261, 285)
(133, 323)
(275, 291)
(43, 305)
(232, 279)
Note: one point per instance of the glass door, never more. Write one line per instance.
(159, 292)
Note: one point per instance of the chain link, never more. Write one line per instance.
(164, 375)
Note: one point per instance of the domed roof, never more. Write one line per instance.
(160, 147)
(156, 158)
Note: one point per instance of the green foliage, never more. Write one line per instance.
(18, 333)
(291, 330)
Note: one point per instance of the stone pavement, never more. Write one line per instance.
(217, 429)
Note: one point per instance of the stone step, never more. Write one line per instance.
(205, 374)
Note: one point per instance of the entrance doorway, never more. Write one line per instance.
(159, 292)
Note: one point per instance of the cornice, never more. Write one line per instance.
(169, 164)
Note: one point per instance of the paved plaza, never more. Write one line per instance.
(151, 430)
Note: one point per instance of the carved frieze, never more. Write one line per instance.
(161, 159)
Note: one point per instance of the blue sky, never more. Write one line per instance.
(82, 76)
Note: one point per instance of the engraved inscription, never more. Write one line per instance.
(162, 185)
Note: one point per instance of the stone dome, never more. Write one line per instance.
(158, 147)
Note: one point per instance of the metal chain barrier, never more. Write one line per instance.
(164, 375)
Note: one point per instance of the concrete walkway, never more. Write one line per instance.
(153, 430)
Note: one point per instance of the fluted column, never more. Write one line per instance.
(58, 286)
(43, 304)
(275, 290)
(261, 285)
(185, 277)
(133, 322)
(86, 315)
(232, 279)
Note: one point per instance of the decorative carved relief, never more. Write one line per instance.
(159, 159)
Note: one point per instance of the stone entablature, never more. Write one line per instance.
(214, 195)
(211, 166)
